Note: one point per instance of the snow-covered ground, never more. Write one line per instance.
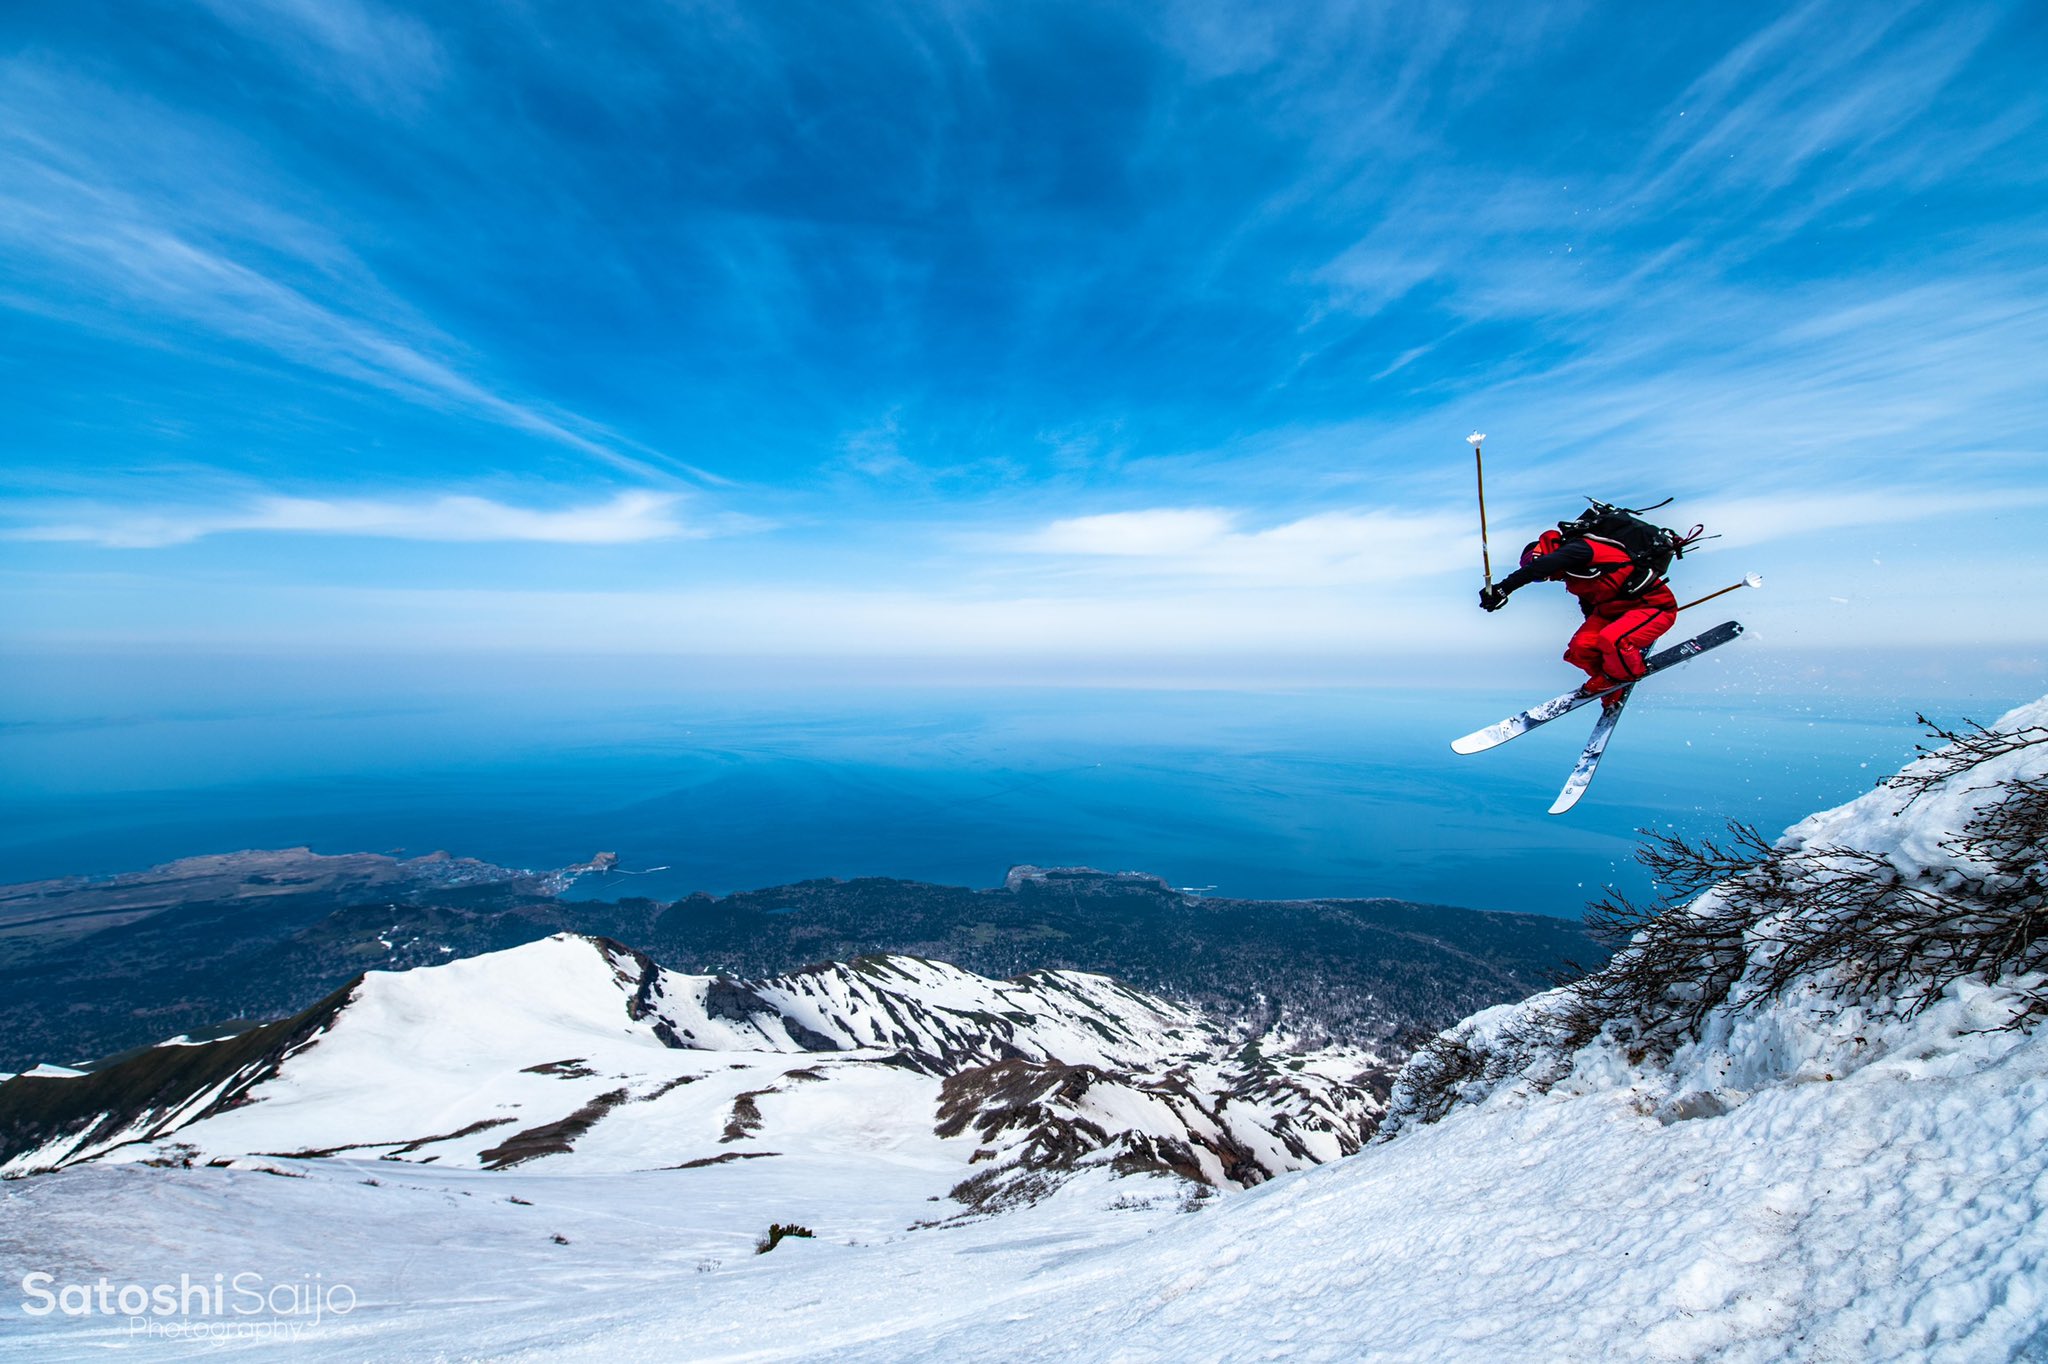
(1812, 1177)
(1900, 1211)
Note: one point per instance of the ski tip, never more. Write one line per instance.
(1565, 801)
(1471, 743)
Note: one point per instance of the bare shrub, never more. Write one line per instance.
(1741, 908)
(1435, 1074)
(777, 1231)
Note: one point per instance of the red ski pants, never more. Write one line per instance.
(1610, 645)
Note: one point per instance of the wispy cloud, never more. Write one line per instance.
(1830, 104)
(1826, 82)
(1063, 311)
(877, 451)
(1208, 546)
(1820, 391)
(1214, 545)
(1748, 521)
(83, 202)
(1149, 534)
(629, 517)
(378, 53)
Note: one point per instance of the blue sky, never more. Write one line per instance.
(1011, 330)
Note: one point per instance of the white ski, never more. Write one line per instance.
(1589, 757)
(1517, 725)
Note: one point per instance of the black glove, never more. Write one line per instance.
(1493, 597)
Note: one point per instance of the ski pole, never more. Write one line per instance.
(1748, 580)
(1475, 440)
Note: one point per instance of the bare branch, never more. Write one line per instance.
(1768, 917)
(1959, 751)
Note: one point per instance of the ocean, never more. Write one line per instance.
(703, 779)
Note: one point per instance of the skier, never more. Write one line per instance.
(1614, 564)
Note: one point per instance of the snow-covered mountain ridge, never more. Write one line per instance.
(580, 1055)
(1802, 1116)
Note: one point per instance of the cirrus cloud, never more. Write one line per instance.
(1325, 549)
(626, 518)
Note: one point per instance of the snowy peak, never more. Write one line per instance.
(565, 987)
(943, 1017)
(584, 1054)
(936, 1017)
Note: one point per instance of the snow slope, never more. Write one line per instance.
(1808, 1176)
(578, 1055)
(1891, 1214)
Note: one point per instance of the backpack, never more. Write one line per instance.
(1650, 549)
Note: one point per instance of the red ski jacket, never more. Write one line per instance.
(1594, 571)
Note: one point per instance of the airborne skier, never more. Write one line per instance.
(1614, 563)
